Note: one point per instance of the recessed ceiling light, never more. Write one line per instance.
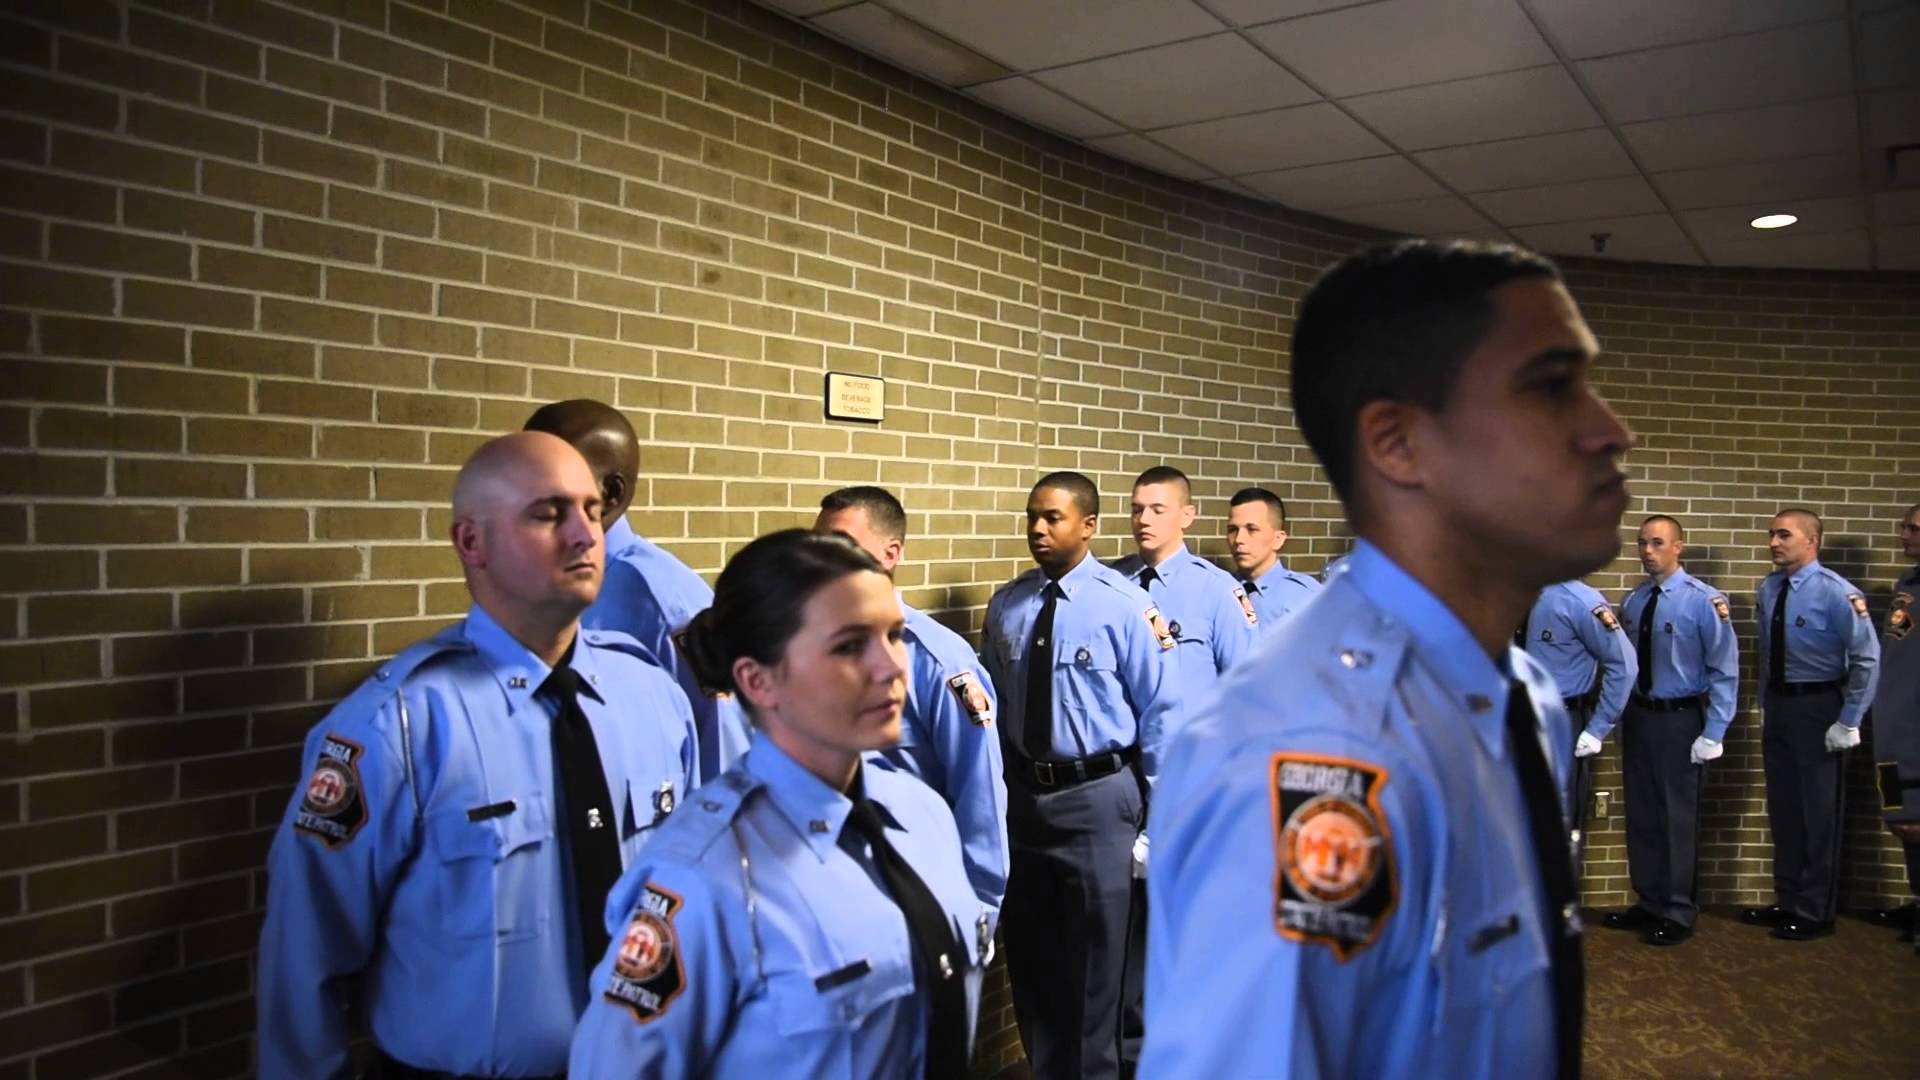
(1773, 221)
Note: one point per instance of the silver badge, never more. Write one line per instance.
(1083, 657)
(593, 819)
(663, 800)
(1174, 628)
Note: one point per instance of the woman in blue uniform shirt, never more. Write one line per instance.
(803, 917)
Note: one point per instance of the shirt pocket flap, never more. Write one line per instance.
(837, 1000)
(1085, 653)
(459, 834)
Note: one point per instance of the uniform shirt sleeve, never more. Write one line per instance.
(1233, 635)
(1619, 669)
(1863, 653)
(990, 665)
(1227, 994)
(1152, 686)
(1720, 653)
(976, 790)
(324, 903)
(619, 1041)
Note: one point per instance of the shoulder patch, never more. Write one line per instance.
(1160, 628)
(335, 804)
(1606, 617)
(972, 697)
(1859, 604)
(647, 973)
(679, 638)
(1334, 882)
(1246, 606)
(1721, 609)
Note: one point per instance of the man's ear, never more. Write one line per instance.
(469, 543)
(896, 548)
(615, 490)
(1187, 513)
(1384, 439)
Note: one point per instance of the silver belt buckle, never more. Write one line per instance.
(1043, 772)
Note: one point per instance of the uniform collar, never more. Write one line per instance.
(1278, 569)
(518, 671)
(1466, 673)
(1070, 582)
(815, 810)
(1798, 577)
(1678, 578)
(620, 536)
(1170, 565)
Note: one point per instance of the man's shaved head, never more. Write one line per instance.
(605, 438)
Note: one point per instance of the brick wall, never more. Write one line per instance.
(268, 272)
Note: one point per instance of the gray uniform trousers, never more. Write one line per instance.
(1663, 789)
(1805, 794)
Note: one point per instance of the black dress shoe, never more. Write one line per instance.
(1668, 933)
(1797, 929)
(1896, 918)
(1634, 918)
(1771, 915)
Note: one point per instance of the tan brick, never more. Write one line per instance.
(379, 211)
(185, 303)
(524, 347)
(243, 524)
(48, 571)
(318, 240)
(366, 523)
(297, 644)
(395, 484)
(471, 229)
(219, 266)
(98, 612)
(281, 566)
(311, 156)
(339, 364)
(468, 377)
(256, 355)
(105, 340)
(538, 66)
(498, 88)
(55, 381)
(372, 444)
(177, 478)
(32, 286)
(192, 130)
(76, 429)
(307, 482)
(435, 110)
(107, 250)
(197, 44)
(266, 104)
(68, 706)
(337, 603)
(378, 290)
(431, 260)
(59, 99)
(427, 335)
(390, 57)
(324, 321)
(537, 136)
(72, 523)
(328, 80)
(425, 410)
(147, 568)
(255, 187)
(188, 217)
(580, 112)
(186, 391)
(142, 74)
(249, 438)
(324, 401)
(485, 305)
(414, 562)
(385, 134)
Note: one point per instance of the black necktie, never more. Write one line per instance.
(1148, 575)
(1520, 636)
(1644, 647)
(1777, 646)
(1036, 725)
(592, 832)
(1556, 867)
(938, 959)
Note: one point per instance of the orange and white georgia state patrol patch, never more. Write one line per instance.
(1900, 617)
(1160, 628)
(1334, 881)
(647, 974)
(1246, 607)
(1605, 615)
(334, 806)
(972, 697)
(1859, 604)
(1721, 609)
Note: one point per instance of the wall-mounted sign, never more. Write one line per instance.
(856, 397)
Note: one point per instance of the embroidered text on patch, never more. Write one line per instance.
(1334, 880)
(647, 973)
(1605, 615)
(1721, 609)
(1859, 604)
(334, 806)
(1900, 617)
(1160, 628)
(972, 697)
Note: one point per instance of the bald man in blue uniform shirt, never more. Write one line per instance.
(467, 809)
(1360, 861)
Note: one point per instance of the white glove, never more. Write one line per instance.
(1586, 745)
(1841, 737)
(1140, 855)
(1705, 750)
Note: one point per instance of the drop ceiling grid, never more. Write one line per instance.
(1647, 119)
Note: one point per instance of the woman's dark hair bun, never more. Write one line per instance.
(710, 659)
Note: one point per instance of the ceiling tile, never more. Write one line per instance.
(1889, 40)
(1771, 181)
(1025, 35)
(1254, 12)
(1732, 73)
(1586, 28)
(1897, 207)
(1036, 104)
(1346, 183)
(1537, 159)
(1801, 129)
(1176, 84)
(1640, 238)
(1732, 224)
(1622, 196)
(1893, 118)
(1404, 43)
(1828, 251)
(1143, 151)
(1532, 102)
(875, 30)
(1285, 138)
(1444, 216)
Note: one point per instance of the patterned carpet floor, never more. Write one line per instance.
(1735, 1003)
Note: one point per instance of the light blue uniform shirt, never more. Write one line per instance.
(947, 740)
(458, 915)
(1695, 650)
(650, 595)
(1830, 636)
(1279, 593)
(759, 940)
(1379, 729)
(1572, 632)
(1114, 682)
(1209, 616)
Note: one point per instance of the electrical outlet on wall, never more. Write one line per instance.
(1602, 802)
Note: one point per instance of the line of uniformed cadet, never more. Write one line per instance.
(465, 810)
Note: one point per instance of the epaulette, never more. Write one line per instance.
(619, 641)
(1008, 586)
(1356, 664)
(704, 816)
(389, 677)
